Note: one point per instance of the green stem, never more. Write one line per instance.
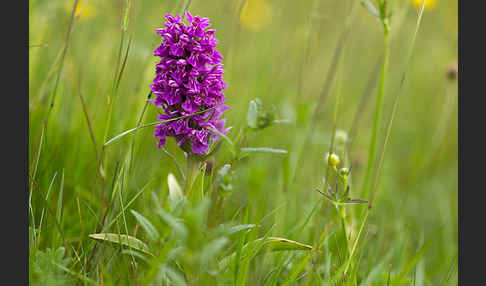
(342, 214)
(348, 262)
(379, 104)
(191, 175)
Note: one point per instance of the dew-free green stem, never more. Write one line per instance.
(191, 175)
(379, 105)
(342, 214)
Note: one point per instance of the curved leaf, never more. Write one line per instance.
(271, 244)
(122, 239)
(146, 225)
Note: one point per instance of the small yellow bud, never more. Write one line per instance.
(332, 159)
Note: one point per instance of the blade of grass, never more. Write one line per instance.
(59, 199)
(411, 264)
(47, 200)
(88, 121)
(306, 259)
(377, 117)
(54, 92)
(395, 106)
(264, 150)
(117, 137)
(241, 241)
(127, 205)
(370, 85)
(61, 64)
(327, 84)
(120, 189)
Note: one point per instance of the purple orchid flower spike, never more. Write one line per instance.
(189, 79)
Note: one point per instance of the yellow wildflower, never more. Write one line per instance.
(84, 10)
(429, 4)
(256, 14)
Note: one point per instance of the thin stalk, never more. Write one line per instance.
(175, 162)
(327, 85)
(395, 106)
(300, 78)
(378, 109)
(112, 97)
(117, 77)
(336, 113)
(342, 214)
(61, 64)
(370, 85)
(90, 126)
(56, 84)
(348, 263)
(139, 122)
(191, 175)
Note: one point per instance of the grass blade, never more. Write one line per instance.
(119, 136)
(264, 150)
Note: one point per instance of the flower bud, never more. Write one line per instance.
(343, 172)
(332, 159)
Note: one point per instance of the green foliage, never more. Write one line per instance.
(107, 207)
(46, 268)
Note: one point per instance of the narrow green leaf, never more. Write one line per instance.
(268, 243)
(238, 228)
(411, 264)
(136, 254)
(127, 205)
(173, 222)
(125, 17)
(264, 150)
(239, 248)
(279, 243)
(46, 200)
(354, 202)
(59, 199)
(78, 275)
(122, 239)
(298, 269)
(226, 139)
(117, 137)
(211, 249)
(175, 277)
(146, 225)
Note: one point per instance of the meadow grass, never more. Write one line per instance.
(107, 207)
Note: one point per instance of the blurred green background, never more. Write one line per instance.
(270, 48)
